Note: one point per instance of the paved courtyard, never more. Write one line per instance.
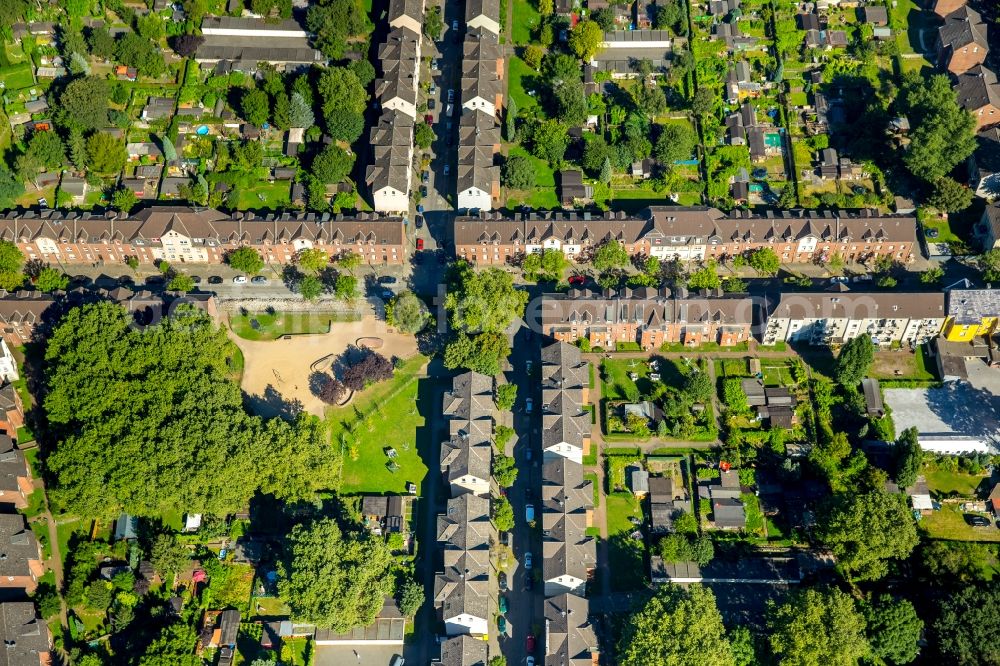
(348, 655)
(968, 409)
(276, 372)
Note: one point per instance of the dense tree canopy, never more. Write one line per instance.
(965, 627)
(335, 579)
(245, 259)
(333, 21)
(105, 153)
(83, 103)
(143, 419)
(942, 135)
(908, 458)
(893, 630)
(817, 627)
(586, 39)
(677, 627)
(407, 313)
(866, 530)
(518, 172)
(484, 301)
(610, 255)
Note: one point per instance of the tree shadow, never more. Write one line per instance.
(272, 403)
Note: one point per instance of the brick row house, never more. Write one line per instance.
(649, 317)
(688, 234)
(961, 40)
(463, 583)
(182, 234)
(569, 555)
(25, 636)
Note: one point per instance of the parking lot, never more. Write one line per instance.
(955, 409)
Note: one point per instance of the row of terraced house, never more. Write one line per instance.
(26, 640)
(569, 554)
(390, 172)
(689, 234)
(477, 176)
(654, 317)
(465, 592)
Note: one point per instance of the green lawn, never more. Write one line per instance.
(265, 195)
(526, 19)
(16, 76)
(615, 380)
(520, 75)
(66, 526)
(396, 413)
(949, 523)
(273, 326)
(627, 555)
(945, 482)
(592, 477)
(544, 193)
(24, 433)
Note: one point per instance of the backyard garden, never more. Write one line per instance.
(657, 397)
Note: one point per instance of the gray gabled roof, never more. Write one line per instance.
(488, 8)
(465, 524)
(961, 28)
(13, 465)
(977, 88)
(463, 651)
(18, 546)
(25, 636)
(571, 640)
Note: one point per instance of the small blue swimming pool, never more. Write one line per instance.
(202, 131)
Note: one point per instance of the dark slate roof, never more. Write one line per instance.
(961, 28)
(18, 546)
(25, 636)
(977, 88)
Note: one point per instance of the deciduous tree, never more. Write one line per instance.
(255, 106)
(817, 626)
(867, 530)
(964, 627)
(407, 313)
(503, 514)
(105, 153)
(504, 470)
(854, 360)
(484, 301)
(506, 396)
(610, 255)
(51, 279)
(334, 579)
(586, 40)
(245, 259)
(676, 627)
(893, 630)
(518, 173)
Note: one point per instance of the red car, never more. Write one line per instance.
(576, 280)
(420, 243)
(529, 643)
(429, 119)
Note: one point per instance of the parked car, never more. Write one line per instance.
(397, 660)
(155, 280)
(260, 279)
(454, 24)
(431, 104)
(527, 367)
(447, 169)
(529, 643)
(502, 624)
(420, 243)
(429, 119)
(576, 280)
(977, 521)
(529, 512)
(240, 279)
(419, 221)
(450, 109)
(931, 233)
(502, 580)
(425, 176)
(528, 404)
(529, 661)
(451, 95)
(505, 539)
(423, 191)
(215, 279)
(502, 604)
(387, 279)
(527, 561)
(435, 65)
(529, 583)
(432, 90)
(196, 279)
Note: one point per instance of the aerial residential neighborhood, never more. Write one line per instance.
(499, 332)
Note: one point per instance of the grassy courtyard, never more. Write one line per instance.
(273, 325)
(386, 415)
(627, 555)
